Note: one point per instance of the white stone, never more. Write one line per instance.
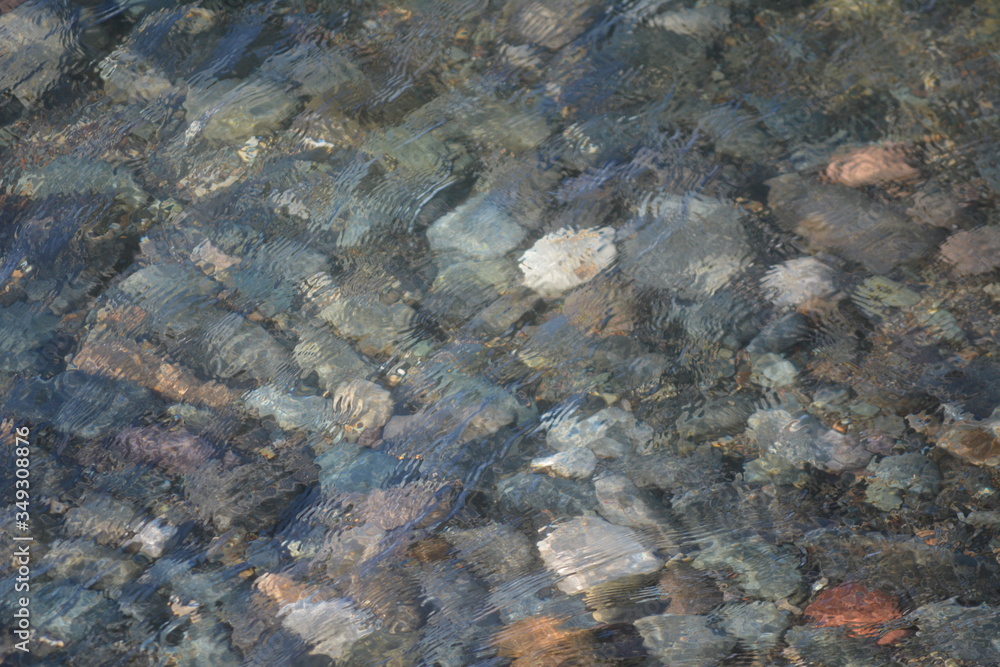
(332, 626)
(153, 537)
(565, 259)
(587, 551)
(575, 463)
(798, 281)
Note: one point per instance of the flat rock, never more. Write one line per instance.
(690, 245)
(838, 219)
(678, 639)
(575, 463)
(478, 229)
(588, 551)
(763, 570)
(331, 626)
(803, 439)
(565, 259)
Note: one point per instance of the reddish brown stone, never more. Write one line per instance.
(863, 611)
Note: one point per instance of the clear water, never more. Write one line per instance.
(500, 333)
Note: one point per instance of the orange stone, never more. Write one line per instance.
(863, 611)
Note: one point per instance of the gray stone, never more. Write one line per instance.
(129, 77)
(376, 327)
(623, 503)
(464, 289)
(91, 406)
(911, 472)
(838, 219)
(969, 634)
(780, 335)
(588, 551)
(228, 112)
(67, 175)
(153, 537)
(803, 439)
(679, 639)
(494, 122)
(763, 570)
(552, 24)
(477, 229)
(758, 625)
(69, 613)
(347, 468)
(332, 359)
(23, 329)
(736, 132)
(612, 424)
(774, 469)
(703, 22)
(540, 493)
(313, 69)
(832, 647)
(772, 370)
(495, 552)
(37, 48)
(99, 567)
(717, 417)
(309, 413)
(692, 246)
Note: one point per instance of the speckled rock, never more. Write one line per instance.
(362, 404)
(587, 551)
(912, 472)
(565, 259)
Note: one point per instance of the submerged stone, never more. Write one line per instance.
(835, 218)
(684, 640)
(693, 246)
(565, 259)
(587, 551)
(477, 229)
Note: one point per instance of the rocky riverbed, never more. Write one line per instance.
(448, 332)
